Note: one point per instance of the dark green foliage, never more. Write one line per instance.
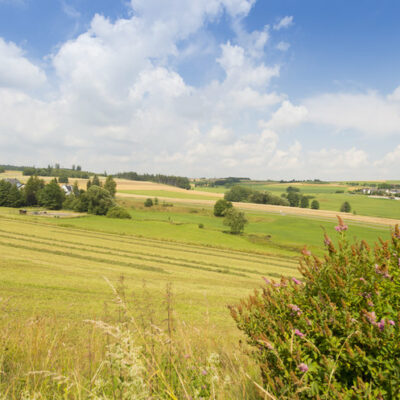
(155, 201)
(315, 205)
(63, 178)
(236, 220)
(201, 226)
(177, 181)
(32, 189)
(304, 202)
(148, 203)
(110, 185)
(96, 181)
(118, 212)
(54, 171)
(10, 195)
(238, 193)
(99, 200)
(221, 206)
(292, 189)
(51, 196)
(345, 207)
(2, 169)
(335, 333)
(293, 199)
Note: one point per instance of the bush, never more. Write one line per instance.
(201, 226)
(315, 205)
(118, 212)
(238, 193)
(334, 333)
(221, 206)
(99, 200)
(236, 220)
(304, 202)
(148, 203)
(345, 207)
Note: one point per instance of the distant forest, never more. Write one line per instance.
(178, 181)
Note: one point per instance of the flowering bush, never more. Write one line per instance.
(334, 333)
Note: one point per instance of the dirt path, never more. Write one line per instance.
(304, 212)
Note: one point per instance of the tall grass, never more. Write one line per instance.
(138, 349)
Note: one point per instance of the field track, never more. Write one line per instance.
(282, 210)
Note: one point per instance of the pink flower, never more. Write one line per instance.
(296, 281)
(303, 367)
(371, 317)
(363, 280)
(381, 324)
(391, 322)
(298, 333)
(267, 281)
(399, 261)
(341, 228)
(370, 303)
(204, 372)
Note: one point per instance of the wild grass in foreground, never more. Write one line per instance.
(133, 352)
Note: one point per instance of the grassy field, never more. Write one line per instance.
(171, 194)
(54, 276)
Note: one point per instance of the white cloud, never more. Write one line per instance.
(283, 46)
(287, 116)
(16, 71)
(284, 23)
(369, 113)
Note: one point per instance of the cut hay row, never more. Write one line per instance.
(136, 255)
(200, 250)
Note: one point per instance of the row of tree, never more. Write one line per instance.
(57, 171)
(178, 181)
(95, 200)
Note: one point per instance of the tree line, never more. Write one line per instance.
(178, 181)
(98, 199)
(57, 171)
(292, 198)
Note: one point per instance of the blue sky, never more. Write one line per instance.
(267, 88)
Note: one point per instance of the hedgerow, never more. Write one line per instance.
(334, 333)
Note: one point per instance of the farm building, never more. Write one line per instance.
(67, 189)
(15, 182)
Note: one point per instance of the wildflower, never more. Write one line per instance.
(296, 281)
(298, 333)
(341, 228)
(370, 303)
(187, 356)
(381, 324)
(303, 367)
(363, 280)
(371, 317)
(305, 251)
(391, 322)
(293, 307)
(204, 372)
(276, 284)
(399, 262)
(327, 241)
(267, 281)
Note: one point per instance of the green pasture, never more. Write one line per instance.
(170, 194)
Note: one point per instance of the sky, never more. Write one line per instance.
(266, 89)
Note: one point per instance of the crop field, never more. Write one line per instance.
(187, 194)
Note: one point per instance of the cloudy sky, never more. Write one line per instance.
(258, 88)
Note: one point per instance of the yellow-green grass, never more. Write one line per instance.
(170, 194)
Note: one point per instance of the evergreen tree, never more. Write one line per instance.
(14, 198)
(96, 181)
(345, 207)
(110, 185)
(52, 196)
(32, 189)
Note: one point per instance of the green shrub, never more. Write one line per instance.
(148, 203)
(236, 220)
(201, 226)
(221, 206)
(334, 334)
(345, 207)
(118, 212)
(315, 205)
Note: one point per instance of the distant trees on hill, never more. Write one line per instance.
(244, 194)
(63, 173)
(178, 181)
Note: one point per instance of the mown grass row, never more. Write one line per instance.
(137, 255)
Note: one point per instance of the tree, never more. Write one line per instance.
(304, 202)
(52, 196)
(75, 189)
(291, 189)
(14, 198)
(315, 205)
(221, 206)
(110, 185)
(32, 189)
(236, 220)
(293, 199)
(238, 193)
(148, 203)
(99, 200)
(2, 169)
(118, 212)
(63, 178)
(96, 181)
(345, 207)
(78, 168)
